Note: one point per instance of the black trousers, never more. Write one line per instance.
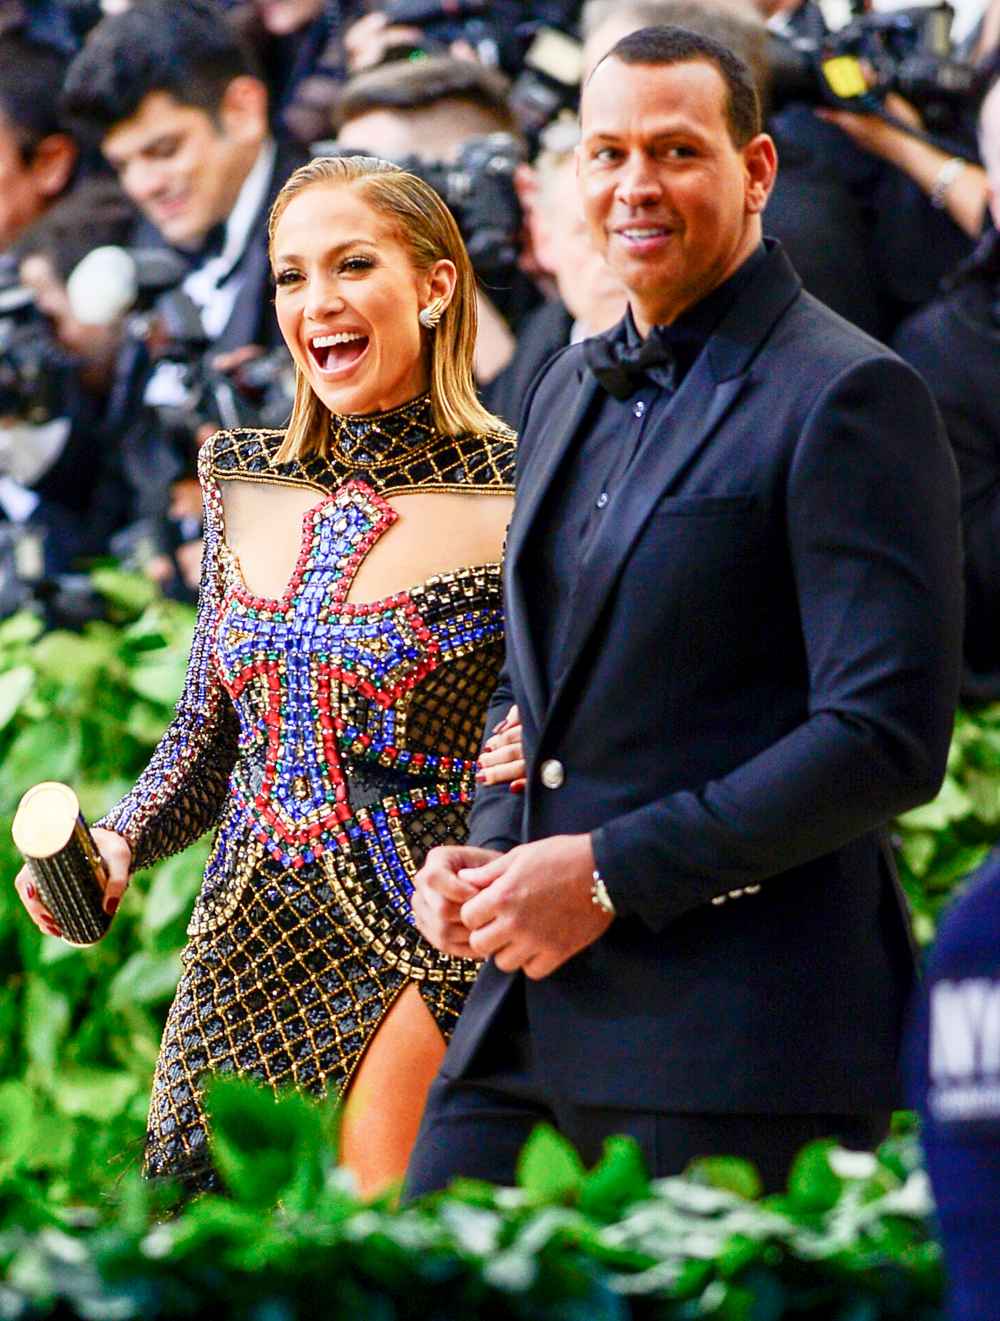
(476, 1125)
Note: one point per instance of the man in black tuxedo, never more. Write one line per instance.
(733, 590)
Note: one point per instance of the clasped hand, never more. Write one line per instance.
(529, 909)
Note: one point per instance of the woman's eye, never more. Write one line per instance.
(286, 277)
(357, 264)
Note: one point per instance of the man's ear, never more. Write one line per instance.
(760, 159)
(52, 163)
(243, 112)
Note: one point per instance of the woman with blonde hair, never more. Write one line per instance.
(349, 636)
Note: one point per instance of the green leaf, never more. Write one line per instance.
(617, 1180)
(20, 629)
(262, 1143)
(72, 660)
(50, 751)
(145, 979)
(173, 888)
(918, 848)
(158, 676)
(17, 1127)
(131, 592)
(15, 687)
(951, 804)
(729, 1173)
(812, 1184)
(549, 1166)
(46, 1021)
(94, 1092)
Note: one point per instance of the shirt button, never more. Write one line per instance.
(552, 774)
(638, 408)
(602, 500)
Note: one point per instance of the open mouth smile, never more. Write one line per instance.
(335, 355)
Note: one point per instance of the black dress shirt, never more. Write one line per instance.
(602, 456)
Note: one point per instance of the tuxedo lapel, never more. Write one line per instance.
(532, 489)
(692, 423)
(706, 396)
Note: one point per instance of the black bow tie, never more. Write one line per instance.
(623, 368)
(210, 246)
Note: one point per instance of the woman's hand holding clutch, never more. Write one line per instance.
(117, 857)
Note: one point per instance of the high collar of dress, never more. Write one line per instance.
(374, 440)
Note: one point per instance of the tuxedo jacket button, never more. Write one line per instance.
(552, 774)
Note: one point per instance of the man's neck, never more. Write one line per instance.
(659, 311)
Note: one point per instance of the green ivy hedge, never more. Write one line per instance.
(849, 1241)
(79, 1031)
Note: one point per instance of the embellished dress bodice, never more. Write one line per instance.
(332, 743)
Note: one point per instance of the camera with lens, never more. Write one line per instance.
(184, 390)
(907, 51)
(443, 21)
(189, 394)
(478, 188)
(36, 373)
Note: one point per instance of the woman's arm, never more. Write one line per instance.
(181, 792)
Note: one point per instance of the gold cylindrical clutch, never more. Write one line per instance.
(51, 834)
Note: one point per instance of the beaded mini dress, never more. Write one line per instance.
(330, 745)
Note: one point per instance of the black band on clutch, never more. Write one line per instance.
(52, 836)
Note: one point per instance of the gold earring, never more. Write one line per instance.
(430, 315)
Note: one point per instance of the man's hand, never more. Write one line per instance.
(438, 896)
(534, 909)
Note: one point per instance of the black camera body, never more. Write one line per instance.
(906, 51)
(478, 188)
(36, 373)
(258, 393)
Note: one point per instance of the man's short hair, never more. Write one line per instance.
(423, 83)
(29, 71)
(188, 50)
(677, 45)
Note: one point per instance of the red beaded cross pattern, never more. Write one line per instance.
(279, 660)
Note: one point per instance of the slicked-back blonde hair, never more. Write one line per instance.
(428, 230)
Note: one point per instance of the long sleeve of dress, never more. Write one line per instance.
(182, 791)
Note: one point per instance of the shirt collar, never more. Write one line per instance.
(249, 201)
(696, 324)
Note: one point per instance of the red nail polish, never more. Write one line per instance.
(480, 777)
(30, 891)
(111, 907)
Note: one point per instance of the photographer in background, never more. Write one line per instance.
(60, 486)
(37, 156)
(954, 343)
(428, 116)
(591, 299)
(181, 115)
(496, 33)
(298, 45)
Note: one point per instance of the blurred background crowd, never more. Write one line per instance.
(141, 144)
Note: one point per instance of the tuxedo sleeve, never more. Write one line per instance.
(495, 821)
(872, 528)
(497, 817)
